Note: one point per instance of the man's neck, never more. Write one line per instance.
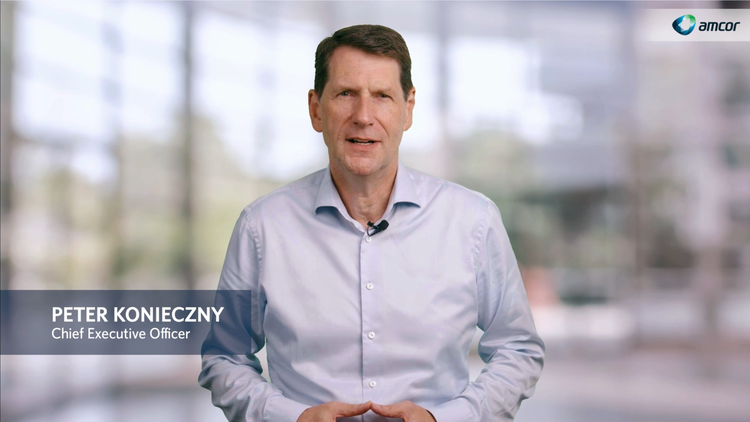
(365, 197)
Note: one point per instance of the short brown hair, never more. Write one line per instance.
(373, 39)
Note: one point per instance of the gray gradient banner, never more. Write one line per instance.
(120, 322)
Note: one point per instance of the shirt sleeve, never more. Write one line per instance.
(230, 369)
(510, 346)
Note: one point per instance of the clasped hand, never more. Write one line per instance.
(329, 412)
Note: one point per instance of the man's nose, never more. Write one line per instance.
(363, 113)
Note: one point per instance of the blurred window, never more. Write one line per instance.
(265, 123)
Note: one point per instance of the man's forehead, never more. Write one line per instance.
(349, 65)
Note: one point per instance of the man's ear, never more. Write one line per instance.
(313, 104)
(409, 108)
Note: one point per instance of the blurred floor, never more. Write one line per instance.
(652, 386)
(645, 387)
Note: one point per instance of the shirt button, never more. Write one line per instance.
(368, 239)
(369, 286)
(371, 335)
(373, 384)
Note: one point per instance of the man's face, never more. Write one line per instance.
(362, 112)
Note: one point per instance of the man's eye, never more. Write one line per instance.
(345, 93)
(384, 96)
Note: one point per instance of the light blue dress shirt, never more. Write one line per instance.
(389, 317)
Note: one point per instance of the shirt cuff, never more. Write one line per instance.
(456, 410)
(282, 409)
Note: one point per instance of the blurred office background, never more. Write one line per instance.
(133, 133)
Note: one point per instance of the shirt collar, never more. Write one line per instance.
(404, 191)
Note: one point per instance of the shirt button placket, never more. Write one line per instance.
(369, 301)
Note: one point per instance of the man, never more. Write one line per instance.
(368, 279)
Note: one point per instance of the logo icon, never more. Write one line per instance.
(684, 25)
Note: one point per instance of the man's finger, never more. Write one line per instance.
(388, 410)
(347, 409)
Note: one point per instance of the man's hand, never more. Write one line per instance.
(328, 412)
(405, 410)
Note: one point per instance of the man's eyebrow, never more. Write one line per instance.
(337, 88)
(342, 87)
(388, 90)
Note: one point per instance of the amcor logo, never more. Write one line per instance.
(685, 24)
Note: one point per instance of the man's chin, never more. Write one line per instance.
(363, 167)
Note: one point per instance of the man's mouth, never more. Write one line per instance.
(360, 141)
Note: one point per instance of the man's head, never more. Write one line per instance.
(363, 97)
(374, 39)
